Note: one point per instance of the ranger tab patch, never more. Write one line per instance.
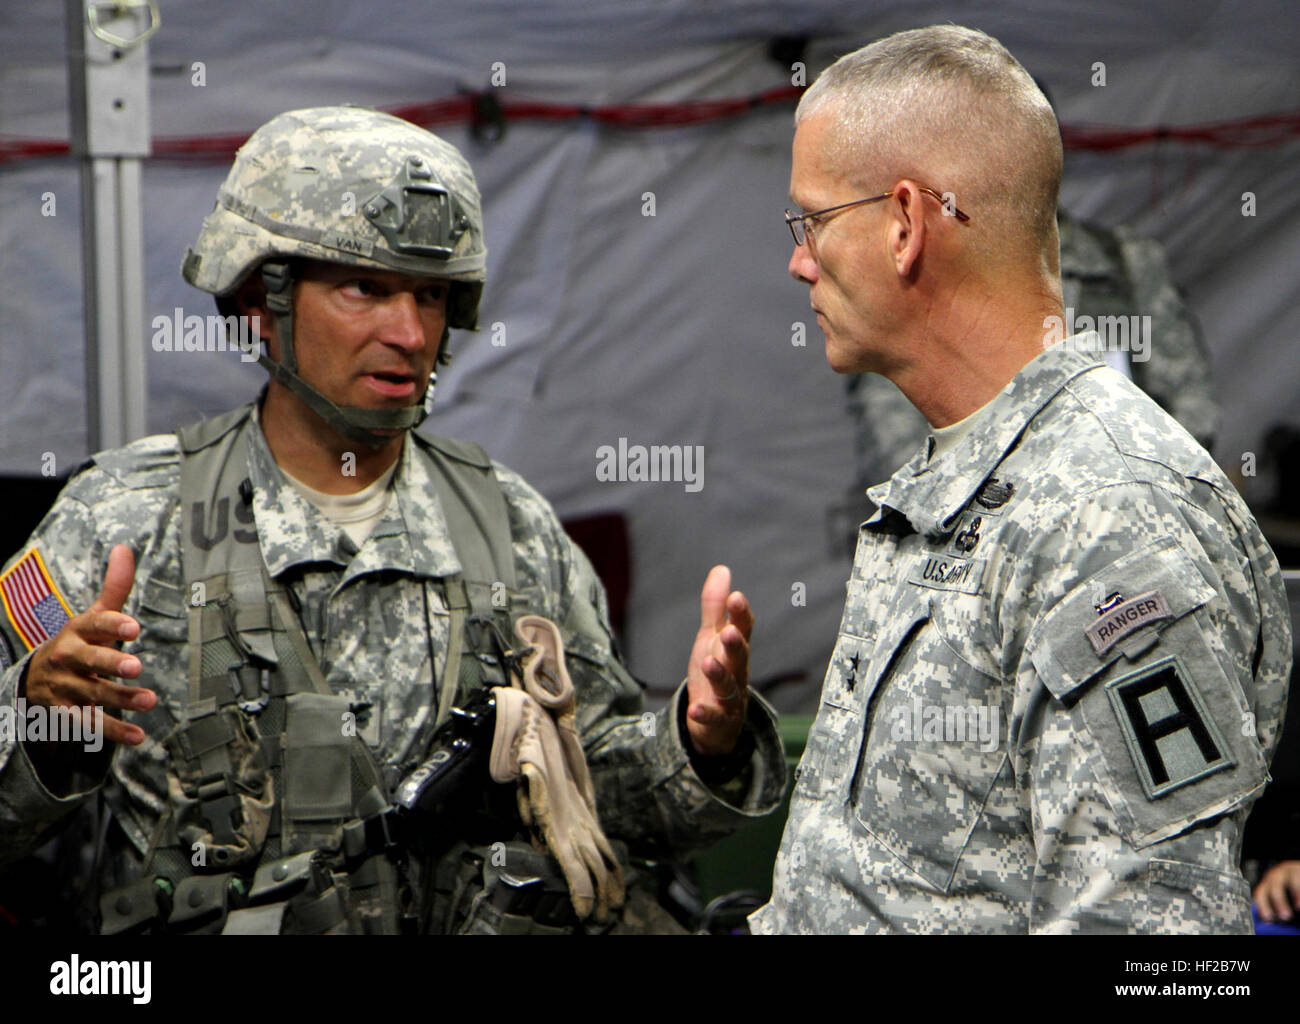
(1170, 737)
(1119, 621)
(32, 601)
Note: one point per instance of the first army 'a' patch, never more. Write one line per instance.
(1169, 735)
(33, 603)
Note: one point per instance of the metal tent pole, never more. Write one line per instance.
(108, 88)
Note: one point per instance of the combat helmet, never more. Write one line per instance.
(353, 186)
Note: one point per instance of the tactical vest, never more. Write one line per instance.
(278, 820)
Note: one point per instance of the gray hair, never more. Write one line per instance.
(950, 108)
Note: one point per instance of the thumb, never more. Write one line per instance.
(713, 598)
(118, 579)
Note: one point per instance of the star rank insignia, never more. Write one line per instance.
(853, 671)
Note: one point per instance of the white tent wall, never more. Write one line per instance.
(674, 329)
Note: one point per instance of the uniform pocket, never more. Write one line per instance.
(828, 752)
(165, 599)
(831, 750)
(935, 747)
(1185, 897)
(1172, 739)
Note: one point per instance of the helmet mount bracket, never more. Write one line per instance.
(416, 214)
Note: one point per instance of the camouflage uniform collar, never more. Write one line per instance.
(295, 532)
(413, 533)
(931, 496)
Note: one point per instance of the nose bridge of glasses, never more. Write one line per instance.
(796, 223)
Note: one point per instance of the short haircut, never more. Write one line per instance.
(950, 108)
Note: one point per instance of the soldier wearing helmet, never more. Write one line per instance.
(349, 187)
(300, 615)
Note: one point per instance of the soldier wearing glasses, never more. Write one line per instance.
(1062, 664)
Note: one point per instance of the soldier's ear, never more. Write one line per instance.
(906, 226)
(249, 299)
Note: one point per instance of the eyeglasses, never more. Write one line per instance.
(802, 225)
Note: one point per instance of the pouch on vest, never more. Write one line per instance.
(501, 889)
(318, 775)
(220, 791)
(296, 895)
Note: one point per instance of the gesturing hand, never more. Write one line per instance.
(717, 677)
(71, 669)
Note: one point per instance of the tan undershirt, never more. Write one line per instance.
(947, 438)
(357, 514)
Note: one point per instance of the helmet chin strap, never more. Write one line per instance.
(356, 424)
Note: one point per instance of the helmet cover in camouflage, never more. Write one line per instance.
(346, 185)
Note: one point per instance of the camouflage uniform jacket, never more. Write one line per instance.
(377, 622)
(995, 754)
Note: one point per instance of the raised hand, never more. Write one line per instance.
(74, 667)
(717, 676)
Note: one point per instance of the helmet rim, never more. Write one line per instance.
(331, 155)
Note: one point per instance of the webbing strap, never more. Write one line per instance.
(478, 519)
(457, 605)
(291, 629)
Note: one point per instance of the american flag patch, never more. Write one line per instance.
(32, 602)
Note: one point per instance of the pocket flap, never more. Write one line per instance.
(163, 598)
(317, 758)
(1142, 593)
(892, 639)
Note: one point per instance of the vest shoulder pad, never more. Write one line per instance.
(196, 436)
(462, 451)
